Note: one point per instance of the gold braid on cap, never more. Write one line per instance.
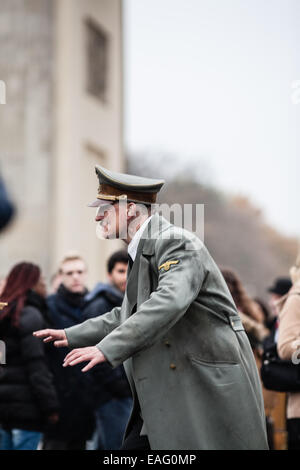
(105, 191)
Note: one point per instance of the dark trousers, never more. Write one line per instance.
(134, 441)
(57, 444)
(293, 432)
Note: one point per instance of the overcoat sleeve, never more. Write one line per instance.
(177, 288)
(92, 331)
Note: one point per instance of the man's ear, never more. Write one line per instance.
(131, 209)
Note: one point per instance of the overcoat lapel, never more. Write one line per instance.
(132, 279)
(137, 294)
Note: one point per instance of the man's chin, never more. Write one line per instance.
(104, 234)
(77, 289)
(110, 236)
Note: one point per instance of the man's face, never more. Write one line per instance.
(74, 275)
(120, 219)
(118, 276)
(112, 220)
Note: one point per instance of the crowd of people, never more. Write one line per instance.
(274, 333)
(43, 405)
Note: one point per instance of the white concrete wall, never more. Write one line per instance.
(87, 131)
(52, 132)
(26, 63)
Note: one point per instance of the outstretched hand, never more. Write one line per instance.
(91, 354)
(58, 336)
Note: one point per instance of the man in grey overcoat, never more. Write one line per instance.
(191, 369)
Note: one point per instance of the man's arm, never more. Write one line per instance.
(93, 330)
(87, 333)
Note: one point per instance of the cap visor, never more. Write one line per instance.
(99, 202)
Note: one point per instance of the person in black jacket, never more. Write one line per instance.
(28, 400)
(7, 209)
(76, 422)
(113, 396)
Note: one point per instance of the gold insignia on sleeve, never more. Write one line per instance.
(167, 265)
(2, 305)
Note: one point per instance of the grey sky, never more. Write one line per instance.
(212, 80)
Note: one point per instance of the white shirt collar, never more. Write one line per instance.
(133, 245)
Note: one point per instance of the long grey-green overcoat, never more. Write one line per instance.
(184, 349)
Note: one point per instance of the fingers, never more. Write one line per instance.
(60, 344)
(90, 365)
(42, 333)
(48, 339)
(71, 353)
(48, 335)
(75, 354)
(77, 360)
(91, 354)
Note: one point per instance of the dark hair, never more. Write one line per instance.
(242, 300)
(117, 257)
(22, 278)
(263, 307)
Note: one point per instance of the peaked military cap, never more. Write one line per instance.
(115, 186)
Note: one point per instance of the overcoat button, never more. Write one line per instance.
(172, 366)
(167, 343)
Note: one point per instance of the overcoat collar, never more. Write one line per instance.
(152, 232)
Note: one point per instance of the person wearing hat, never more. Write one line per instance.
(188, 360)
(277, 291)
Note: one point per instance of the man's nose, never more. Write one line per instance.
(75, 276)
(99, 217)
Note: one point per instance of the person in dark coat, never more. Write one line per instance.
(28, 400)
(65, 307)
(7, 209)
(112, 391)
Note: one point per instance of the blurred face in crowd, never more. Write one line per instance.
(274, 312)
(41, 288)
(74, 275)
(118, 276)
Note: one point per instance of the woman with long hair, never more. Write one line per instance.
(250, 312)
(28, 401)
